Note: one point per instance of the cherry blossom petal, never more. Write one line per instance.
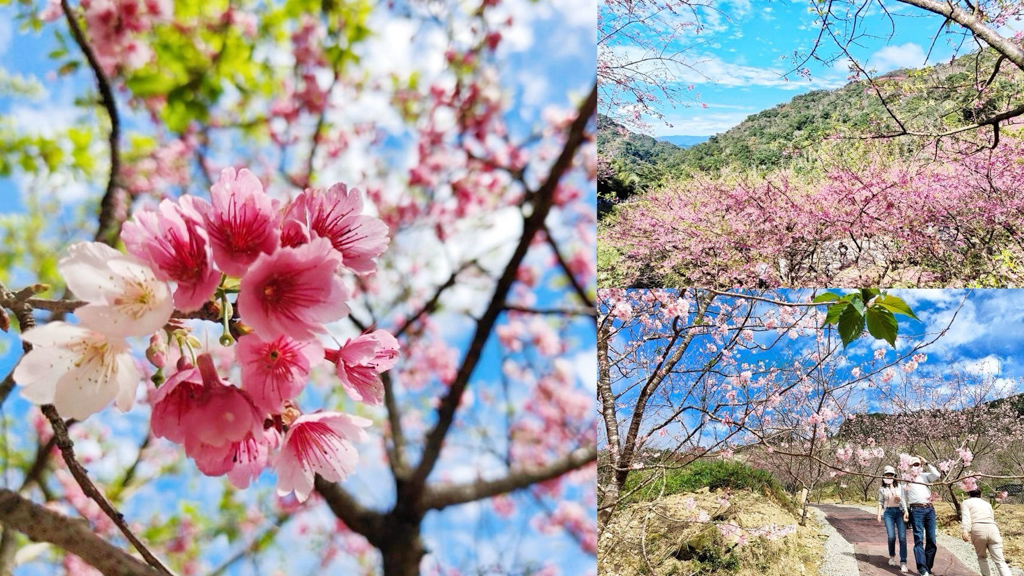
(293, 292)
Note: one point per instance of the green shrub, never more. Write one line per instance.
(711, 474)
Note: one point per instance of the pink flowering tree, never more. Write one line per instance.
(704, 373)
(334, 274)
(908, 223)
(641, 48)
(973, 427)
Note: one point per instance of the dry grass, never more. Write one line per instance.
(1009, 518)
(620, 552)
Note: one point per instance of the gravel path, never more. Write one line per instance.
(840, 558)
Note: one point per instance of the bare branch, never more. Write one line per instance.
(67, 449)
(542, 200)
(439, 497)
(356, 516)
(72, 534)
(114, 205)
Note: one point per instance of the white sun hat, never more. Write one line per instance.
(889, 470)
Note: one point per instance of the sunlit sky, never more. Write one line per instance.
(744, 60)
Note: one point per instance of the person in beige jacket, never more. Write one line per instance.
(979, 528)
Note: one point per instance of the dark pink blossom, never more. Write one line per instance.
(241, 221)
(360, 362)
(320, 443)
(173, 241)
(275, 371)
(293, 291)
(337, 215)
(195, 407)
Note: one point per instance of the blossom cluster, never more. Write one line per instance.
(916, 223)
(282, 266)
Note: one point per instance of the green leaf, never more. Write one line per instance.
(868, 293)
(882, 325)
(851, 325)
(857, 302)
(896, 305)
(834, 311)
(826, 297)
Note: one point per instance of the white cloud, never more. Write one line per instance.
(890, 58)
(988, 366)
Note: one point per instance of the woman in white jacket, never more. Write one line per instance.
(892, 506)
(979, 528)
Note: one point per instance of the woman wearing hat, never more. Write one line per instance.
(892, 506)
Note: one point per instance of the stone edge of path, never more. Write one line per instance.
(962, 550)
(839, 559)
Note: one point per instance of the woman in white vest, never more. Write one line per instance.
(979, 528)
(892, 506)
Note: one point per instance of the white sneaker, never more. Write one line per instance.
(903, 568)
(893, 562)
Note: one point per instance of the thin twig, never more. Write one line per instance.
(113, 206)
(67, 449)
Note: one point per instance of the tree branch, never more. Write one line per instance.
(113, 206)
(438, 497)
(72, 534)
(976, 25)
(356, 516)
(542, 200)
(67, 449)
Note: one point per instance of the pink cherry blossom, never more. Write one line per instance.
(241, 221)
(320, 443)
(76, 369)
(124, 296)
(293, 291)
(195, 407)
(360, 362)
(275, 371)
(173, 241)
(337, 215)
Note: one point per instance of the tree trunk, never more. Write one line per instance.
(954, 501)
(402, 549)
(608, 503)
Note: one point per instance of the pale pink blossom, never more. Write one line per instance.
(337, 216)
(124, 296)
(275, 371)
(76, 369)
(360, 362)
(320, 443)
(241, 221)
(293, 291)
(173, 241)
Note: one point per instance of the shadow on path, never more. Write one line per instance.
(871, 550)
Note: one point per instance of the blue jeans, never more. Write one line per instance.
(923, 522)
(894, 527)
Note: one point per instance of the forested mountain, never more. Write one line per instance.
(936, 98)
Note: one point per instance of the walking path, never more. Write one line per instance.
(867, 536)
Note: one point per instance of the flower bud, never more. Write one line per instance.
(157, 351)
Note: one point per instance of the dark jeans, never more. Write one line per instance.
(923, 522)
(894, 527)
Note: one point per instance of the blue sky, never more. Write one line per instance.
(550, 63)
(984, 336)
(745, 55)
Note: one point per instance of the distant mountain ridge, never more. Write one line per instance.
(684, 141)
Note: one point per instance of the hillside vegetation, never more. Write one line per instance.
(821, 191)
(940, 97)
(738, 523)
